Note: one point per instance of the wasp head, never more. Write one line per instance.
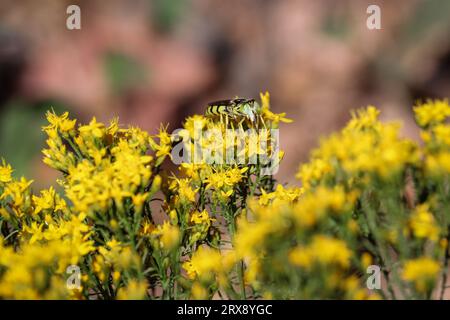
(250, 108)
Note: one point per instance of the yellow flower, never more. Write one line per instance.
(116, 276)
(190, 270)
(252, 273)
(366, 260)
(198, 291)
(432, 112)
(185, 191)
(5, 214)
(291, 194)
(324, 250)
(163, 151)
(113, 244)
(94, 128)
(353, 226)
(441, 134)
(314, 206)
(61, 123)
(35, 230)
(147, 227)
(135, 290)
(443, 243)
(204, 263)
(19, 191)
(265, 100)
(422, 272)
(437, 164)
(328, 250)
(216, 180)
(200, 225)
(192, 170)
(113, 175)
(250, 236)
(379, 150)
(139, 200)
(265, 197)
(313, 171)
(194, 125)
(224, 196)
(364, 119)
(423, 224)
(169, 235)
(277, 118)
(265, 107)
(5, 172)
(301, 257)
(229, 177)
(200, 217)
(45, 201)
(164, 147)
(235, 175)
(113, 127)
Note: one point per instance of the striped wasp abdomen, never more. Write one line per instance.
(234, 108)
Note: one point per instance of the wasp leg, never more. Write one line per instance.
(240, 122)
(222, 118)
(232, 125)
(263, 123)
(227, 120)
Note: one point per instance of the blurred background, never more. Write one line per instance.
(153, 61)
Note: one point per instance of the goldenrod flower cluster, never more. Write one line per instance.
(123, 223)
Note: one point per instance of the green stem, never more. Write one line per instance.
(74, 147)
(240, 265)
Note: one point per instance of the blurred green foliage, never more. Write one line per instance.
(336, 26)
(21, 139)
(123, 72)
(429, 15)
(166, 13)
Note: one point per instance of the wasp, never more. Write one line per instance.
(235, 108)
